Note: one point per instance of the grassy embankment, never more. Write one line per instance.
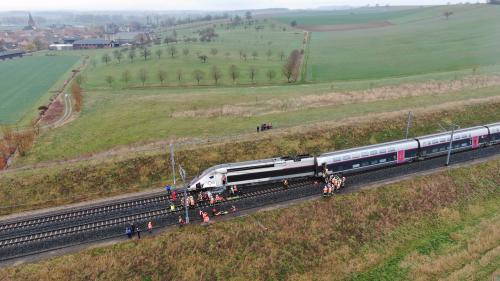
(440, 226)
(66, 183)
(123, 118)
(26, 83)
(420, 41)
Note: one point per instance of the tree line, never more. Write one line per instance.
(172, 51)
(289, 71)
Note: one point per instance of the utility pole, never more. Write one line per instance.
(172, 159)
(453, 128)
(450, 145)
(408, 124)
(182, 172)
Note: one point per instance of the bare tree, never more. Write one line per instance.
(290, 67)
(126, 76)
(198, 75)
(162, 76)
(185, 51)
(109, 79)
(269, 53)
(203, 58)
(131, 55)
(216, 74)
(179, 75)
(143, 76)
(214, 51)
(145, 52)
(271, 74)
(106, 58)
(172, 50)
(158, 53)
(252, 73)
(282, 55)
(244, 56)
(234, 72)
(118, 55)
(255, 54)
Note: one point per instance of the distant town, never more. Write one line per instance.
(90, 32)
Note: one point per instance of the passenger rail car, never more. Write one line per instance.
(346, 161)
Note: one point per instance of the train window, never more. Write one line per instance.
(383, 160)
(336, 159)
(364, 164)
(355, 156)
(382, 151)
(374, 162)
(442, 140)
(211, 177)
(346, 157)
(434, 150)
(364, 154)
(435, 141)
(392, 149)
(373, 152)
(356, 166)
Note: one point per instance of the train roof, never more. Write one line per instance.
(368, 147)
(447, 133)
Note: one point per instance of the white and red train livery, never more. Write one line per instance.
(347, 161)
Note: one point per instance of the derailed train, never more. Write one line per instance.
(347, 161)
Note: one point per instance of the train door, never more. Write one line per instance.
(475, 142)
(401, 156)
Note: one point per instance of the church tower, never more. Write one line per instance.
(31, 22)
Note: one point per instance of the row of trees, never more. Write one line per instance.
(215, 74)
(172, 51)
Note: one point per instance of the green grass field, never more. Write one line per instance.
(421, 46)
(420, 41)
(360, 15)
(25, 81)
(228, 44)
(112, 118)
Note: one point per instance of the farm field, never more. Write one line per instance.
(267, 44)
(418, 41)
(155, 114)
(433, 62)
(25, 81)
(444, 227)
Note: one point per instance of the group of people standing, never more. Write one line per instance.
(333, 184)
(131, 229)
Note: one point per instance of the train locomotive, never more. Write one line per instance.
(345, 162)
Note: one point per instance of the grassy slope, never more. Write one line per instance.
(418, 43)
(229, 41)
(389, 233)
(59, 184)
(24, 81)
(151, 115)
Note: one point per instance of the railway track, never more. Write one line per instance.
(31, 236)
